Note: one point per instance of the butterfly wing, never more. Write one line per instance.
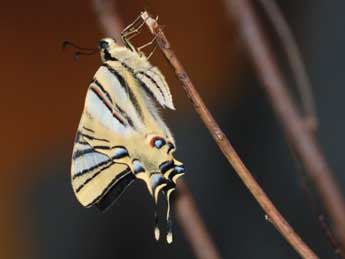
(153, 81)
(96, 176)
(100, 170)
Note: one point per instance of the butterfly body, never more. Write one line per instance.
(121, 136)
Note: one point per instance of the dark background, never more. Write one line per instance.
(42, 97)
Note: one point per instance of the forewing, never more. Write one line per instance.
(99, 169)
(153, 81)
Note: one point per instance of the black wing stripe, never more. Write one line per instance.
(107, 104)
(127, 89)
(103, 90)
(153, 81)
(90, 130)
(129, 120)
(97, 173)
(80, 153)
(85, 171)
(94, 138)
(115, 191)
(166, 166)
(113, 182)
(144, 86)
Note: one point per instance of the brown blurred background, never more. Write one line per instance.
(43, 92)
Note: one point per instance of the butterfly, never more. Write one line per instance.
(121, 136)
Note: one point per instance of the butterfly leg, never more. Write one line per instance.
(132, 30)
(130, 27)
(148, 44)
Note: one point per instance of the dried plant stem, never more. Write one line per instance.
(305, 146)
(273, 214)
(314, 206)
(322, 221)
(186, 211)
(192, 224)
(294, 58)
(305, 89)
(110, 22)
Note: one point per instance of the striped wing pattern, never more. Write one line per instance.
(94, 174)
(121, 136)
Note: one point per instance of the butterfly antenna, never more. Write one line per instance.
(77, 54)
(66, 44)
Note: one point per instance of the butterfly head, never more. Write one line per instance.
(105, 47)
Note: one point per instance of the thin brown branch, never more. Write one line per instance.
(322, 221)
(305, 146)
(192, 224)
(314, 206)
(273, 214)
(186, 211)
(294, 58)
(110, 22)
(305, 89)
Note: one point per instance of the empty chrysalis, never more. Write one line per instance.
(121, 136)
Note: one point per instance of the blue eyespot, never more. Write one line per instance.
(120, 152)
(179, 169)
(138, 167)
(158, 143)
(156, 180)
(166, 166)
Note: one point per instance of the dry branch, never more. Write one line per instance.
(300, 75)
(110, 22)
(296, 62)
(186, 211)
(305, 146)
(273, 214)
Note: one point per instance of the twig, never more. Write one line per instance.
(186, 211)
(192, 225)
(305, 89)
(273, 214)
(110, 22)
(322, 221)
(315, 208)
(296, 63)
(304, 144)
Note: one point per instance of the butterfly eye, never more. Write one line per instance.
(158, 142)
(102, 44)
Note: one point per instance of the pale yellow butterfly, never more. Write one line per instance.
(121, 136)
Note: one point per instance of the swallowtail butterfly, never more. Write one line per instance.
(121, 136)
